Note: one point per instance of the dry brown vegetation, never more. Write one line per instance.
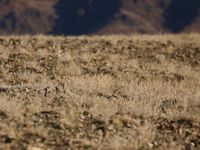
(108, 92)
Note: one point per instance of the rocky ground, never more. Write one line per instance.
(108, 92)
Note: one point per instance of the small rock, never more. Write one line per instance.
(34, 148)
(110, 127)
(150, 145)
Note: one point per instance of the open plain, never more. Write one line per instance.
(100, 92)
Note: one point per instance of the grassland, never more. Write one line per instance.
(108, 92)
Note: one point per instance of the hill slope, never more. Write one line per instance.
(110, 92)
(75, 17)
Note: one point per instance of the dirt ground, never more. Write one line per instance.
(107, 92)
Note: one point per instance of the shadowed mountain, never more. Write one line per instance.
(180, 14)
(77, 17)
(83, 16)
(26, 17)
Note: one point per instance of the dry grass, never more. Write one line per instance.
(108, 92)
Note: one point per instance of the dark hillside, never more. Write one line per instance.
(180, 14)
(81, 17)
(76, 17)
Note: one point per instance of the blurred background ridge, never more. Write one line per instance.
(77, 17)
